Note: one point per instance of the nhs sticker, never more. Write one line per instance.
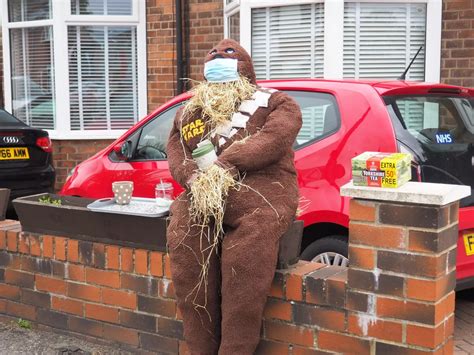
(444, 138)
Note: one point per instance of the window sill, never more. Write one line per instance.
(85, 135)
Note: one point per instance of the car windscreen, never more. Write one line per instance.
(468, 106)
(7, 120)
(440, 120)
(437, 130)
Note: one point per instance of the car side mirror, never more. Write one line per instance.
(123, 150)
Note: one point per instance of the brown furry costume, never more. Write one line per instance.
(240, 274)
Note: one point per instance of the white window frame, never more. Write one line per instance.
(334, 30)
(106, 19)
(61, 19)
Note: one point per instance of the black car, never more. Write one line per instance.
(26, 162)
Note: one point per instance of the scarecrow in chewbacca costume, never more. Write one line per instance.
(224, 230)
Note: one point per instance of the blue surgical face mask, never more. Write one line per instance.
(221, 70)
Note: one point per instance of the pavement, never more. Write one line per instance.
(464, 323)
(45, 340)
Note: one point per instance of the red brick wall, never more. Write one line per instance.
(68, 153)
(206, 22)
(115, 293)
(457, 53)
(205, 29)
(396, 296)
(161, 52)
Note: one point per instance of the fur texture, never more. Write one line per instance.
(225, 318)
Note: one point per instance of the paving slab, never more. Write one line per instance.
(464, 323)
(16, 340)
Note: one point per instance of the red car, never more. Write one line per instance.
(341, 119)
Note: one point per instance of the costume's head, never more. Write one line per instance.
(230, 79)
(230, 49)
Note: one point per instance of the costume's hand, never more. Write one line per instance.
(191, 179)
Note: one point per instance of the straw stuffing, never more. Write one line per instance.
(208, 195)
(218, 101)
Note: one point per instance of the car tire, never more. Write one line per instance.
(331, 250)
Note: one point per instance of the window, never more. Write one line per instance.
(380, 40)
(29, 10)
(154, 136)
(103, 86)
(468, 109)
(320, 115)
(31, 63)
(434, 120)
(101, 7)
(76, 68)
(103, 68)
(287, 41)
(337, 39)
(234, 26)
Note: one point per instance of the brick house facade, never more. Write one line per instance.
(204, 23)
(457, 41)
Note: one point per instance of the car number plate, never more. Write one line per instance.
(14, 153)
(469, 243)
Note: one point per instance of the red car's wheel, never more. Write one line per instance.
(331, 250)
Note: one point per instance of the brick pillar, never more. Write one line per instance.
(402, 274)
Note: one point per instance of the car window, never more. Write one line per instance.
(320, 114)
(8, 120)
(154, 136)
(438, 120)
(468, 107)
